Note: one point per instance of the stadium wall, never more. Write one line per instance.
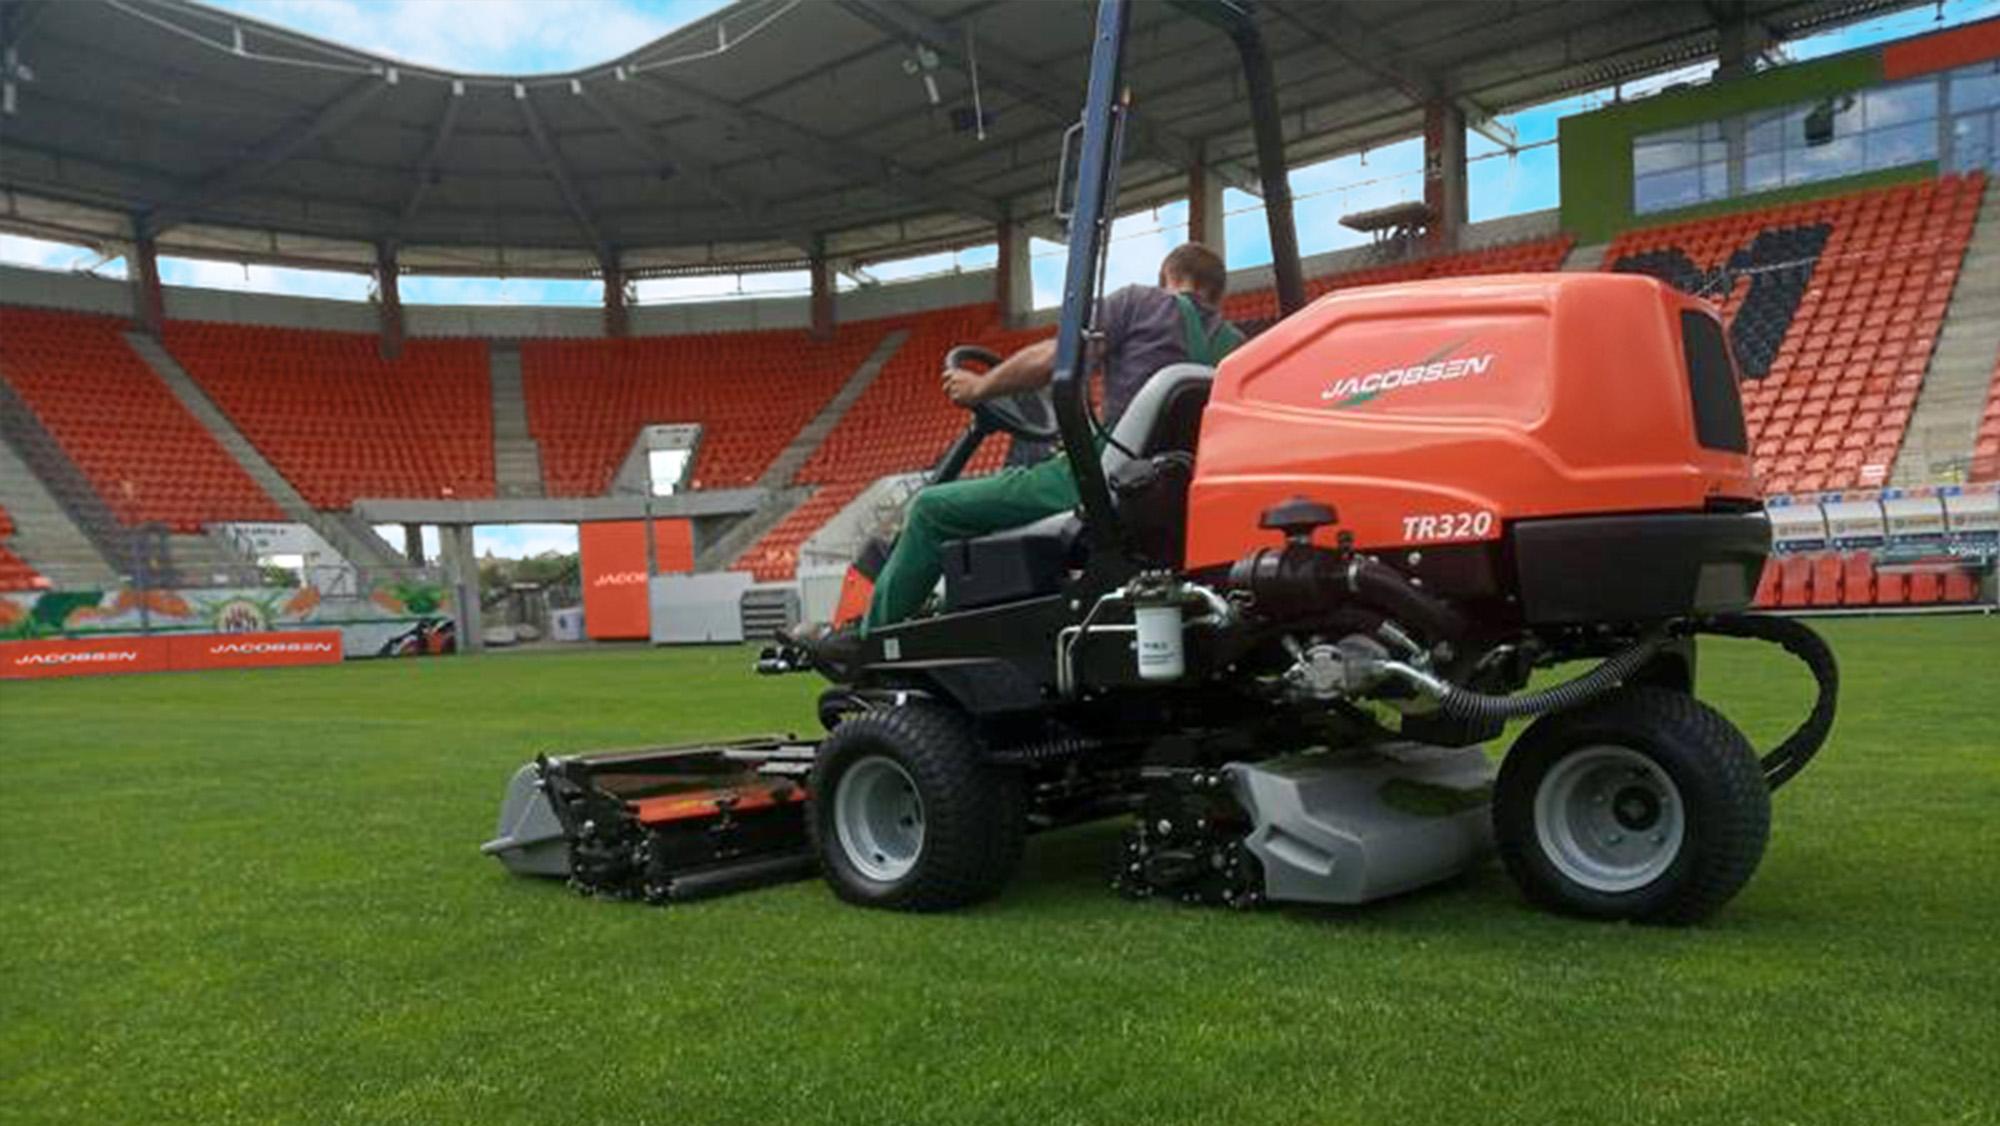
(1595, 149)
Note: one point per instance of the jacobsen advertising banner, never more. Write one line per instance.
(97, 656)
(253, 650)
(614, 573)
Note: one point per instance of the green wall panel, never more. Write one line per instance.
(1596, 147)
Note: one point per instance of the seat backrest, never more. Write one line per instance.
(1164, 415)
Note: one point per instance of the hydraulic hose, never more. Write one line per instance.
(1780, 764)
(1791, 755)
(1464, 703)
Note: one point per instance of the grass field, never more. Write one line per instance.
(255, 896)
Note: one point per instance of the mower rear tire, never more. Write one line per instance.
(1645, 805)
(907, 814)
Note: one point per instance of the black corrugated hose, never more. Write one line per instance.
(1464, 703)
(1780, 764)
(1795, 637)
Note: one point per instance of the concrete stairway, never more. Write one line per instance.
(1585, 258)
(44, 535)
(352, 539)
(1945, 423)
(802, 445)
(47, 462)
(517, 457)
(780, 495)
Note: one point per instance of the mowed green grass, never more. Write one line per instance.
(256, 897)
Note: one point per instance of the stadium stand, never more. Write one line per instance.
(1836, 304)
(751, 392)
(1828, 580)
(1254, 308)
(1986, 448)
(15, 573)
(339, 420)
(146, 457)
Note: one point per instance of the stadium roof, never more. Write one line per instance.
(738, 139)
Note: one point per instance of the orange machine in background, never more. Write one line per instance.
(614, 573)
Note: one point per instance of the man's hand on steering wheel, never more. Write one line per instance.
(964, 388)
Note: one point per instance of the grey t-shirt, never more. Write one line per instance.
(1142, 334)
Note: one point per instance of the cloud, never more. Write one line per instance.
(42, 254)
(334, 284)
(484, 36)
(499, 291)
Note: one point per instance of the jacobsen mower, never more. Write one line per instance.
(1301, 593)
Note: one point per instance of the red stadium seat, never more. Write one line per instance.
(1924, 587)
(148, 459)
(1795, 588)
(339, 420)
(1960, 586)
(1826, 574)
(1855, 353)
(1768, 583)
(1857, 584)
(1889, 588)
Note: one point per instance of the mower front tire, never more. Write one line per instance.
(1644, 805)
(906, 814)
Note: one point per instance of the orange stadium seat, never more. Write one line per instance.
(1827, 567)
(1768, 583)
(146, 456)
(1857, 584)
(1795, 587)
(338, 420)
(1853, 356)
(751, 392)
(1986, 447)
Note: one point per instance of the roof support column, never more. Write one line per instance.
(1205, 219)
(462, 565)
(388, 301)
(1013, 276)
(822, 291)
(149, 303)
(1739, 41)
(1444, 172)
(617, 321)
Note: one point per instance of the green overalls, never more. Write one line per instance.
(957, 510)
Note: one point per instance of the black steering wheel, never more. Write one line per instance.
(1029, 415)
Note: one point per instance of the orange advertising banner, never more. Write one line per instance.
(615, 596)
(96, 656)
(1945, 50)
(254, 650)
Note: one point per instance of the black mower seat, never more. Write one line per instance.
(1164, 417)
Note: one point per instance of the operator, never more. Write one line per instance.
(1143, 329)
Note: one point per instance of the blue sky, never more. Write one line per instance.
(528, 36)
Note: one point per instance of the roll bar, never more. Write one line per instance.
(1096, 198)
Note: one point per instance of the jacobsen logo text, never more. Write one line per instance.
(620, 578)
(1358, 389)
(119, 655)
(254, 647)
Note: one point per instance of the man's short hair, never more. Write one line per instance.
(1200, 267)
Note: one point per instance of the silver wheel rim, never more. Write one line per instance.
(879, 819)
(1609, 818)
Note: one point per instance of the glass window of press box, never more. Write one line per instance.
(1951, 118)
